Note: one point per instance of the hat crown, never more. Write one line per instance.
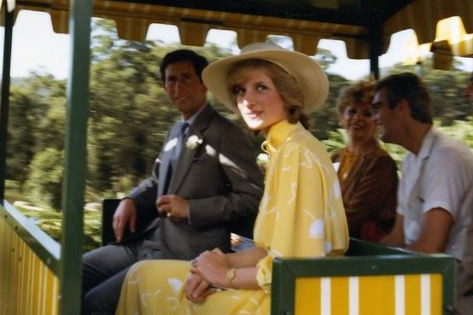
(307, 72)
(259, 46)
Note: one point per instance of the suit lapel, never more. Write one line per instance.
(164, 168)
(187, 154)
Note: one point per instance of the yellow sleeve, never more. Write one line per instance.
(264, 273)
(308, 215)
(301, 198)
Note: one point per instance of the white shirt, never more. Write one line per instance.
(441, 175)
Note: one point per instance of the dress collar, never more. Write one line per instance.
(277, 135)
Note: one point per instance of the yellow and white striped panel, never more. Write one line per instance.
(416, 294)
(27, 285)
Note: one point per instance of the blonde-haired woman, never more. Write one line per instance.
(367, 173)
(301, 213)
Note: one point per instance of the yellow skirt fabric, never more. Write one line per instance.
(162, 292)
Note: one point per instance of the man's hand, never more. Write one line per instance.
(124, 215)
(173, 206)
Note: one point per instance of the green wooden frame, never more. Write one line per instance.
(362, 259)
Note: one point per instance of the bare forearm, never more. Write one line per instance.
(424, 247)
(434, 233)
(245, 278)
(246, 258)
(393, 240)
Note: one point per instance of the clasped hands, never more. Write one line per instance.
(207, 275)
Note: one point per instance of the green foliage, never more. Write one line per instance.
(130, 114)
(460, 129)
(36, 121)
(50, 221)
(337, 139)
(20, 135)
(325, 119)
(44, 185)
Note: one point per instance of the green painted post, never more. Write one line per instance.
(5, 96)
(75, 157)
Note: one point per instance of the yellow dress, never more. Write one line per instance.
(301, 215)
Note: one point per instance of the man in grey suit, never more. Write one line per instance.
(192, 197)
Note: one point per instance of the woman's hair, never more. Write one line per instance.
(360, 92)
(285, 83)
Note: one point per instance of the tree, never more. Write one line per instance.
(36, 121)
(20, 148)
(325, 119)
(44, 185)
(129, 114)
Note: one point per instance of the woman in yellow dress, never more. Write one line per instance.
(301, 213)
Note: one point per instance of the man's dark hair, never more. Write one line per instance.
(199, 62)
(408, 86)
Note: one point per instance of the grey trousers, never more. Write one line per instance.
(104, 270)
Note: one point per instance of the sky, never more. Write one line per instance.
(44, 51)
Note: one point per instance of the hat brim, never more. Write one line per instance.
(310, 76)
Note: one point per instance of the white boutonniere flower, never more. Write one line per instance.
(193, 142)
(262, 160)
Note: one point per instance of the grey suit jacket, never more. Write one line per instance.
(219, 177)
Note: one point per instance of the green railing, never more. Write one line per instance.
(42, 278)
(371, 279)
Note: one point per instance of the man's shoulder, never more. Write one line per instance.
(452, 147)
(220, 119)
(450, 156)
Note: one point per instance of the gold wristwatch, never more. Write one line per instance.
(231, 273)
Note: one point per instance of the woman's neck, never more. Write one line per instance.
(357, 146)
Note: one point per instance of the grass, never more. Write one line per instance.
(50, 221)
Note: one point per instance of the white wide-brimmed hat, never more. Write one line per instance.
(311, 78)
